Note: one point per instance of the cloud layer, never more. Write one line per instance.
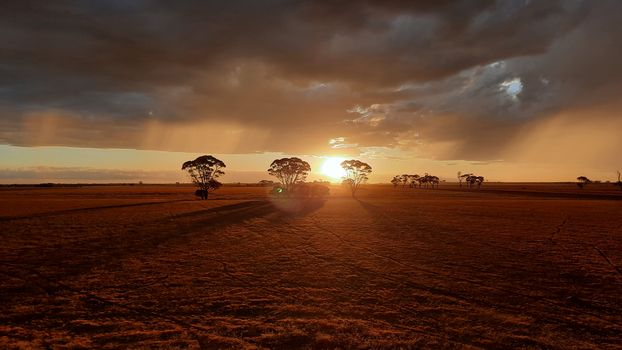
(474, 80)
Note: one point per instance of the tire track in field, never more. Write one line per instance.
(111, 249)
(374, 273)
(398, 281)
(359, 292)
(444, 276)
(264, 208)
(353, 268)
(370, 274)
(380, 213)
(546, 248)
(356, 269)
(551, 240)
(47, 284)
(87, 209)
(228, 215)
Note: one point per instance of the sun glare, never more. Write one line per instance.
(332, 168)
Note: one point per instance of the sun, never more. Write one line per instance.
(332, 167)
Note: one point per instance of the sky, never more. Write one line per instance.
(119, 91)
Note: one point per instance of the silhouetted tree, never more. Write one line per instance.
(465, 177)
(582, 181)
(404, 178)
(356, 172)
(424, 180)
(428, 180)
(212, 185)
(479, 180)
(414, 180)
(396, 180)
(289, 171)
(471, 180)
(203, 171)
(460, 178)
(619, 183)
(434, 180)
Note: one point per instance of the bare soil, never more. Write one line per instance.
(532, 266)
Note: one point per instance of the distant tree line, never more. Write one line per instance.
(414, 180)
(470, 180)
(292, 173)
(583, 181)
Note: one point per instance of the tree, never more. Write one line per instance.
(619, 183)
(356, 173)
(466, 177)
(433, 180)
(289, 171)
(404, 178)
(346, 182)
(396, 181)
(582, 181)
(203, 171)
(479, 180)
(414, 180)
(212, 185)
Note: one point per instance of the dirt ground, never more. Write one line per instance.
(115, 267)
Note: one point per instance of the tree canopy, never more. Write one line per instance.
(289, 171)
(356, 173)
(582, 181)
(203, 171)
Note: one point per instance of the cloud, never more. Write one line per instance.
(440, 80)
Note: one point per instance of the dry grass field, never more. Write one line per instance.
(115, 267)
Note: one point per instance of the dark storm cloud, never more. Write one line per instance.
(292, 75)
